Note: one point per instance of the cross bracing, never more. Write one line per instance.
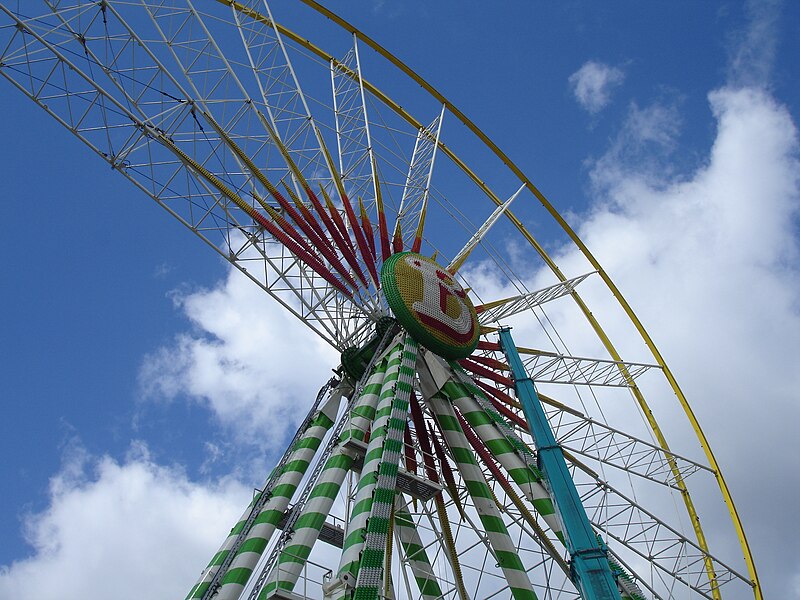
(590, 438)
(414, 201)
(144, 111)
(552, 367)
(673, 558)
(352, 130)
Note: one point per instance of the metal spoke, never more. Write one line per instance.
(414, 200)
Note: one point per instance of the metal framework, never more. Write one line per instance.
(296, 167)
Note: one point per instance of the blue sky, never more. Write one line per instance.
(618, 112)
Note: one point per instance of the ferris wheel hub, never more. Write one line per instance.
(430, 304)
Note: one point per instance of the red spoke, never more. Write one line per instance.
(474, 367)
(366, 225)
(397, 241)
(447, 472)
(423, 439)
(310, 218)
(415, 247)
(319, 243)
(499, 394)
(508, 413)
(383, 229)
(483, 345)
(311, 260)
(492, 363)
(348, 249)
(360, 239)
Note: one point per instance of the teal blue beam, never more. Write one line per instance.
(590, 570)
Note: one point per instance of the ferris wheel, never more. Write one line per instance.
(483, 435)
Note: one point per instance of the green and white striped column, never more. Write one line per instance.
(370, 578)
(293, 557)
(463, 379)
(241, 568)
(414, 551)
(211, 570)
(362, 504)
(538, 495)
(505, 452)
(503, 548)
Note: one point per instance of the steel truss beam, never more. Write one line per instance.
(414, 202)
(356, 156)
(550, 367)
(584, 436)
(671, 555)
(493, 312)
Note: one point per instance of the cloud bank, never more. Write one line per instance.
(129, 530)
(709, 260)
(247, 360)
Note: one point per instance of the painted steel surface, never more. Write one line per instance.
(592, 572)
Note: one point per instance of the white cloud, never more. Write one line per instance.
(642, 150)
(248, 361)
(593, 83)
(127, 530)
(709, 260)
(753, 48)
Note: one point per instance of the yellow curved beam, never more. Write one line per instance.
(551, 264)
